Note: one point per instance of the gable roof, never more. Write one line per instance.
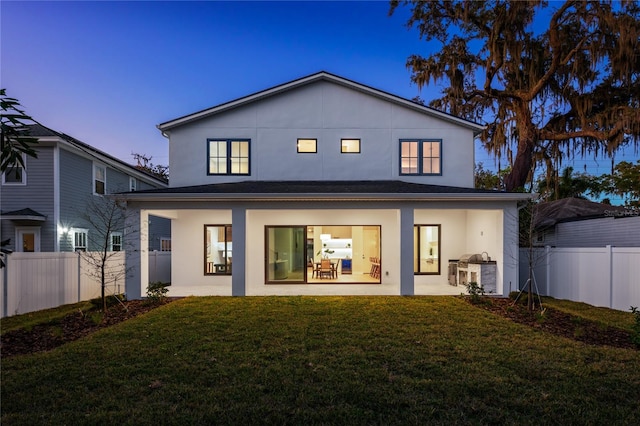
(550, 213)
(324, 190)
(320, 76)
(40, 131)
(24, 214)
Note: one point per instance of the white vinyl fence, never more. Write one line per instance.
(34, 281)
(160, 266)
(602, 276)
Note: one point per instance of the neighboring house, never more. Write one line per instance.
(264, 187)
(576, 222)
(42, 205)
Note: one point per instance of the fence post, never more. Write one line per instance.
(79, 277)
(5, 286)
(610, 260)
(547, 268)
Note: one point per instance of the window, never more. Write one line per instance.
(99, 179)
(80, 240)
(420, 157)
(165, 244)
(426, 249)
(133, 184)
(116, 241)
(15, 174)
(228, 157)
(307, 146)
(350, 146)
(217, 255)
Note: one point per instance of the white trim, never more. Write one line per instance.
(84, 231)
(95, 166)
(509, 196)
(21, 230)
(115, 234)
(56, 197)
(23, 217)
(133, 184)
(23, 181)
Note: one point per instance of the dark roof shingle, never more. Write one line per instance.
(320, 187)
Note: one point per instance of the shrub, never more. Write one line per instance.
(635, 334)
(157, 291)
(475, 291)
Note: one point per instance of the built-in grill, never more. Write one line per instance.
(474, 268)
(466, 259)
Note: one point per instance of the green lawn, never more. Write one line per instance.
(322, 360)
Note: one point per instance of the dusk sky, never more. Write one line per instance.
(108, 72)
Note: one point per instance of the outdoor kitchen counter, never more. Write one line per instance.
(483, 273)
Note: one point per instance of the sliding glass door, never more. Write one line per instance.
(286, 254)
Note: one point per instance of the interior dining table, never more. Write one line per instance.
(334, 269)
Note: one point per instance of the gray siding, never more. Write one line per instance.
(36, 195)
(614, 231)
(76, 186)
(76, 194)
(159, 227)
(116, 181)
(144, 186)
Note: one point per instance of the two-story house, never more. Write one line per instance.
(43, 205)
(324, 186)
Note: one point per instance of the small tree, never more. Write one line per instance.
(144, 163)
(623, 182)
(527, 219)
(4, 252)
(14, 133)
(106, 217)
(567, 185)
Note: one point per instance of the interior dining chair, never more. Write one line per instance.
(325, 268)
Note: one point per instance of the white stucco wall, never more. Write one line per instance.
(187, 254)
(328, 112)
(462, 231)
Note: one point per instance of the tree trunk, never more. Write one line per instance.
(104, 299)
(523, 163)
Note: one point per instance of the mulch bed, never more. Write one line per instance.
(74, 326)
(45, 337)
(559, 323)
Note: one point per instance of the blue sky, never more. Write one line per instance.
(108, 72)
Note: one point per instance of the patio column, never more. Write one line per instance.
(136, 261)
(407, 283)
(239, 232)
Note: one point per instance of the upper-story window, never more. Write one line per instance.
(350, 146)
(15, 174)
(99, 179)
(307, 146)
(228, 156)
(133, 184)
(420, 157)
